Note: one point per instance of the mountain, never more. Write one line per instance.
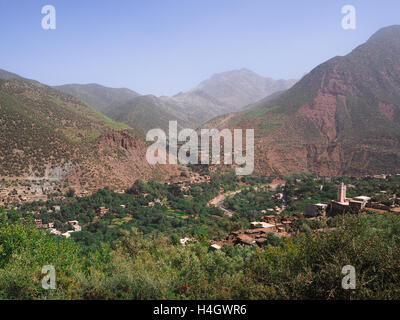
(47, 134)
(99, 97)
(227, 92)
(148, 112)
(222, 93)
(341, 118)
(239, 88)
(198, 106)
(126, 106)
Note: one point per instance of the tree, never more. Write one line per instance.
(70, 193)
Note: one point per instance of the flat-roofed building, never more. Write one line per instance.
(315, 210)
(259, 224)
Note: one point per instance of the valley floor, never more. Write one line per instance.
(128, 245)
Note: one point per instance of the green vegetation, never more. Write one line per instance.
(266, 118)
(133, 250)
(41, 126)
(301, 189)
(149, 207)
(152, 267)
(253, 113)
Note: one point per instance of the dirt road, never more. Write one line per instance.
(218, 201)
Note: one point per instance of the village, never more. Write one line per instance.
(273, 221)
(17, 191)
(282, 226)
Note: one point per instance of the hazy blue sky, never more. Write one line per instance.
(166, 46)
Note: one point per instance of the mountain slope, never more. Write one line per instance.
(149, 112)
(45, 133)
(240, 88)
(99, 97)
(140, 112)
(8, 75)
(227, 92)
(341, 118)
(221, 94)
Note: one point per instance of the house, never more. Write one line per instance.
(54, 231)
(103, 211)
(215, 247)
(258, 224)
(66, 234)
(278, 196)
(359, 203)
(362, 198)
(380, 176)
(269, 219)
(245, 239)
(39, 224)
(315, 210)
(75, 225)
(260, 230)
(183, 241)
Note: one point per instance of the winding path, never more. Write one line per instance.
(218, 201)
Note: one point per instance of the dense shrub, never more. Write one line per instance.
(151, 267)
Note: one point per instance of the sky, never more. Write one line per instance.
(163, 47)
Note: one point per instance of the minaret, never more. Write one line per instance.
(342, 193)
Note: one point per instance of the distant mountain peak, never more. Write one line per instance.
(385, 33)
(236, 89)
(235, 72)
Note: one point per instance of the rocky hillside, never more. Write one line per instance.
(341, 118)
(149, 112)
(8, 75)
(45, 133)
(99, 97)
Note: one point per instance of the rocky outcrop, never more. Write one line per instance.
(118, 160)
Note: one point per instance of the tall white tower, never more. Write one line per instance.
(342, 193)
